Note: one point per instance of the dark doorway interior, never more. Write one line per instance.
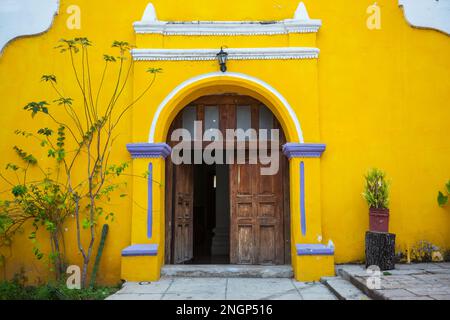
(211, 214)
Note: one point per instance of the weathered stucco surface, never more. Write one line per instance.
(380, 96)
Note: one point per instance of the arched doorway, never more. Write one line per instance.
(143, 260)
(219, 82)
(227, 212)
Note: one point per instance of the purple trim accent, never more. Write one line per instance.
(303, 150)
(302, 198)
(140, 250)
(149, 150)
(314, 250)
(150, 202)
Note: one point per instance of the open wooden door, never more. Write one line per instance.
(259, 205)
(257, 229)
(183, 213)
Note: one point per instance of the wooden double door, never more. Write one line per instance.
(259, 213)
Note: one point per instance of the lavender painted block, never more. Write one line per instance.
(139, 250)
(303, 150)
(302, 199)
(149, 150)
(314, 250)
(150, 201)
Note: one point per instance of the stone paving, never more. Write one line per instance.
(223, 289)
(422, 281)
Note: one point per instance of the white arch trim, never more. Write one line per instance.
(268, 87)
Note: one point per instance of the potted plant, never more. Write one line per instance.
(376, 193)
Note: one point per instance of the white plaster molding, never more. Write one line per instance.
(429, 14)
(279, 53)
(25, 18)
(283, 102)
(300, 24)
(149, 13)
(226, 28)
(301, 13)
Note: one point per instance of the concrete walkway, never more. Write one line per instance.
(223, 289)
(421, 281)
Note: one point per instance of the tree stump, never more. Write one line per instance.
(380, 250)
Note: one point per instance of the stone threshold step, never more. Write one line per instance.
(343, 289)
(227, 271)
(348, 276)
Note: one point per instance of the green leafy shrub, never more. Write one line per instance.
(13, 291)
(43, 203)
(376, 190)
(443, 198)
(80, 137)
(447, 255)
(17, 289)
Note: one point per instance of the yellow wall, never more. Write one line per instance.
(376, 98)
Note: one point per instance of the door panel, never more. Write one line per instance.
(267, 244)
(183, 215)
(257, 229)
(245, 244)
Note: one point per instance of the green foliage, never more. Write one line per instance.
(376, 190)
(15, 290)
(117, 170)
(62, 101)
(109, 58)
(27, 158)
(19, 191)
(37, 107)
(45, 203)
(82, 179)
(23, 133)
(49, 78)
(443, 198)
(154, 70)
(446, 256)
(73, 45)
(45, 132)
(122, 45)
(5, 222)
(12, 166)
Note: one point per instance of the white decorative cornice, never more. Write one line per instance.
(25, 18)
(429, 14)
(226, 28)
(281, 53)
(300, 24)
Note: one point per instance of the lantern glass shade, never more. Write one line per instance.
(222, 58)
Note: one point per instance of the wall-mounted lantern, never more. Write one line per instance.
(222, 57)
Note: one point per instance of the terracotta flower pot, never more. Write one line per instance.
(379, 220)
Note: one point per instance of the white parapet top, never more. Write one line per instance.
(429, 14)
(301, 23)
(25, 18)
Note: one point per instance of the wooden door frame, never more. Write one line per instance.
(227, 101)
